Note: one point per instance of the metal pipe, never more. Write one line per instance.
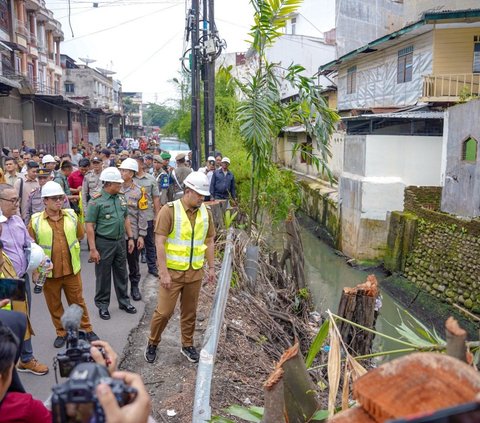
(201, 405)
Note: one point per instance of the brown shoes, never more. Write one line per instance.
(32, 366)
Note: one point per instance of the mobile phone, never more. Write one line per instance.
(13, 289)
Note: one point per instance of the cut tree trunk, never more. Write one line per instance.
(293, 251)
(358, 305)
(456, 337)
(299, 402)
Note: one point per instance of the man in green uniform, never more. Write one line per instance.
(106, 224)
(137, 214)
(66, 168)
(91, 183)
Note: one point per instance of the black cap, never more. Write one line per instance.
(44, 172)
(148, 157)
(32, 164)
(66, 164)
(96, 159)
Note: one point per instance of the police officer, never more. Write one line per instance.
(106, 224)
(162, 175)
(91, 183)
(184, 234)
(35, 202)
(148, 184)
(137, 215)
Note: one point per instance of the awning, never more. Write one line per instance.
(9, 82)
(3, 45)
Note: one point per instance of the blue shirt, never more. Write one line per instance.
(222, 186)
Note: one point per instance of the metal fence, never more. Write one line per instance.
(201, 406)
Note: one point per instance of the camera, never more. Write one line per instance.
(76, 400)
(77, 349)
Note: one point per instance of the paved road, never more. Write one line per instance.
(115, 330)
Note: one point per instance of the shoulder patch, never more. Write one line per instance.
(97, 194)
(170, 204)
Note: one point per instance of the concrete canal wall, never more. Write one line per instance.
(438, 252)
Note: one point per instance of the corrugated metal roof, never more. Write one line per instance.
(427, 114)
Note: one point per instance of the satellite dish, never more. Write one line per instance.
(86, 60)
(105, 71)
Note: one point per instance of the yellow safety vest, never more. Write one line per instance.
(44, 236)
(186, 247)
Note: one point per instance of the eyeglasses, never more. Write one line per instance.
(57, 198)
(11, 200)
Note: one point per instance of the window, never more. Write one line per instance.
(352, 80)
(469, 150)
(293, 25)
(306, 150)
(404, 66)
(69, 87)
(476, 54)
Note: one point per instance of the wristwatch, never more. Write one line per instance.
(130, 238)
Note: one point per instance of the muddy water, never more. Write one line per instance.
(327, 273)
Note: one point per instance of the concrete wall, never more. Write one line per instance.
(461, 193)
(376, 170)
(413, 9)
(285, 155)
(301, 50)
(360, 21)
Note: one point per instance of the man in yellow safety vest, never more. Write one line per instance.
(184, 235)
(58, 231)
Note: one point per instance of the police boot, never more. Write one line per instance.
(136, 296)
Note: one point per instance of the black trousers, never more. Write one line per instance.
(150, 250)
(133, 265)
(113, 256)
(17, 323)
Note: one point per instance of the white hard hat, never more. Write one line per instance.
(36, 256)
(211, 159)
(129, 164)
(48, 158)
(226, 160)
(111, 174)
(198, 181)
(52, 188)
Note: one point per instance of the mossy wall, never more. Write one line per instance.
(319, 203)
(437, 251)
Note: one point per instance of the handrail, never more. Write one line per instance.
(201, 405)
(451, 85)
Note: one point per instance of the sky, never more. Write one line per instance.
(143, 40)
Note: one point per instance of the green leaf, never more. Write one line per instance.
(317, 343)
(219, 419)
(320, 415)
(252, 414)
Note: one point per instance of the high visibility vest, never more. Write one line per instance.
(44, 236)
(185, 246)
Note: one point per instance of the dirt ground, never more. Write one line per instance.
(240, 369)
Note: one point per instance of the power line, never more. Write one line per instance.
(121, 23)
(153, 54)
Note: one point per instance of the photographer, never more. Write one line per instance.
(16, 406)
(22, 407)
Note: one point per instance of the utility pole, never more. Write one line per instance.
(211, 84)
(207, 27)
(195, 126)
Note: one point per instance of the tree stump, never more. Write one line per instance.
(293, 251)
(358, 305)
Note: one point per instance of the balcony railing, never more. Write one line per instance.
(451, 87)
(41, 88)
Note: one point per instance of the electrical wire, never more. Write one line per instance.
(69, 16)
(152, 55)
(121, 23)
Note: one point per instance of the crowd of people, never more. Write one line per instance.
(134, 205)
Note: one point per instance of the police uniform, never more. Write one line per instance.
(186, 282)
(150, 186)
(139, 225)
(108, 212)
(91, 185)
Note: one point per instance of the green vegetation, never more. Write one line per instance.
(157, 115)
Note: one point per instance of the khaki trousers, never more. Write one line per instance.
(72, 287)
(167, 299)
